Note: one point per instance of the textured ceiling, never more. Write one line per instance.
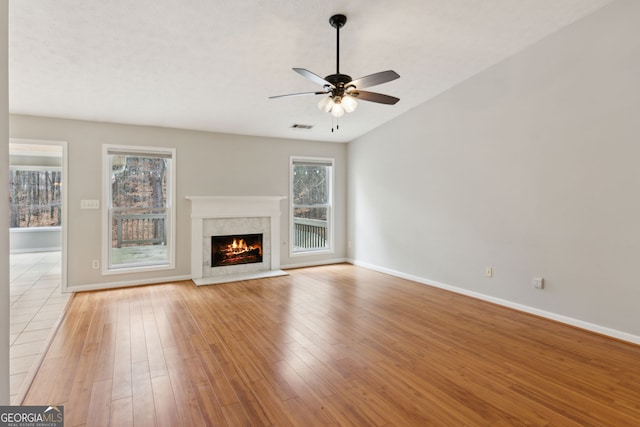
(212, 64)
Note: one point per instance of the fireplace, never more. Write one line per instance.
(216, 221)
(236, 249)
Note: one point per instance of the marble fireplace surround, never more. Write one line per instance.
(226, 215)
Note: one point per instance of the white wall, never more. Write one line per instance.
(4, 212)
(207, 164)
(35, 239)
(530, 167)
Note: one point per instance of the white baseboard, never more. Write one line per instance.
(315, 263)
(125, 284)
(603, 330)
(33, 250)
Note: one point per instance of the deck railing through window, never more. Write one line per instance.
(310, 233)
(138, 227)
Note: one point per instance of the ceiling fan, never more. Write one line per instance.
(341, 89)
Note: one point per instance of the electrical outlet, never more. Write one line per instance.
(95, 264)
(538, 282)
(488, 272)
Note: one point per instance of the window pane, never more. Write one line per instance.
(310, 185)
(310, 229)
(35, 198)
(319, 214)
(139, 237)
(139, 211)
(139, 181)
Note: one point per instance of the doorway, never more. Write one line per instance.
(38, 253)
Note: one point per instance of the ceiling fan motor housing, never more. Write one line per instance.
(338, 21)
(340, 83)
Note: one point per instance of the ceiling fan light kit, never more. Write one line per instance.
(341, 90)
(337, 106)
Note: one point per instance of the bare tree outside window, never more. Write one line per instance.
(35, 198)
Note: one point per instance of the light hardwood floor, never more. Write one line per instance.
(331, 345)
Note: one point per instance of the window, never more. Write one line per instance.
(139, 209)
(35, 196)
(311, 205)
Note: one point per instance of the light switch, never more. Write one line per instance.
(89, 204)
(538, 282)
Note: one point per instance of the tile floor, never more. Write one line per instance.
(37, 304)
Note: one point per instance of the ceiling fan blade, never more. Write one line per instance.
(375, 79)
(313, 77)
(374, 97)
(298, 94)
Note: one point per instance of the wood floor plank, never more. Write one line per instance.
(72, 351)
(138, 339)
(51, 368)
(235, 415)
(99, 404)
(165, 404)
(142, 399)
(211, 411)
(183, 388)
(155, 354)
(307, 396)
(82, 383)
(104, 366)
(330, 345)
(313, 373)
(217, 378)
(121, 376)
(60, 345)
(122, 412)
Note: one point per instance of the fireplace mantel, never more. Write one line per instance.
(234, 206)
(205, 208)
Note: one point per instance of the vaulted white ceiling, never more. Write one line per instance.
(212, 64)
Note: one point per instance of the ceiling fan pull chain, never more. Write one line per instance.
(335, 123)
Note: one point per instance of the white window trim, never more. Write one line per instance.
(106, 202)
(331, 216)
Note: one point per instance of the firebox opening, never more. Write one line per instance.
(236, 249)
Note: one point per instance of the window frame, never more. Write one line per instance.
(107, 268)
(329, 161)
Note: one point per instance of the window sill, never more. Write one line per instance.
(311, 252)
(137, 269)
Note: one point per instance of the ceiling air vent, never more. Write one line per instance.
(297, 126)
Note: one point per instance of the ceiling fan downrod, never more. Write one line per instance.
(337, 22)
(339, 81)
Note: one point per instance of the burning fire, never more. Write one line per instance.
(231, 250)
(238, 246)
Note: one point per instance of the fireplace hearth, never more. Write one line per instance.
(236, 249)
